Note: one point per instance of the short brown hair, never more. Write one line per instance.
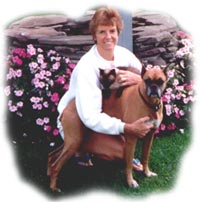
(105, 16)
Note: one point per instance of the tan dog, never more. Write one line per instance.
(136, 101)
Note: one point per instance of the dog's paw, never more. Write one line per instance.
(56, 190)
(133, 184)
(151, 174)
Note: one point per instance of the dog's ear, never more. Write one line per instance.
(101, 72)
(101, 75)
(143, 71)
(113, 72)
(165, 69)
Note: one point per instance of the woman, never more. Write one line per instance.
(105, 28)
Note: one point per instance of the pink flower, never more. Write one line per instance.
(46, 120)
(55, 97)
(48, 73)
(18, 93)
(162, 127)
(39, 122)
(170, 73)
(171, 126)
(20, 104)
(60, 80)
(66, 87)
(169, 90)
(37, 106)
(67, 60)
(51, 52)
(39, 50)
(56, 66)
(12, 108)
(71, 65)
(18, 73)
(68, 71)
(164, 98)
(40, 75)
(33, 65)
(180, 88)
(47, 128)
(17, 60)
(43, 65)
(41, 84)
(182, 34)
(7, 90)
(55, 132)
(35, 99)
(9, 76)
(45, 104)
(177, 115)
(20, 51)
(181, 112)
(176, 82)
(188, 86)
(157, 131)
(168, 108)
(178, 96)
(186, 100)
(31, 50)
(36, 81)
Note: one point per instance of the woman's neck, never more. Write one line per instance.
(106, 54)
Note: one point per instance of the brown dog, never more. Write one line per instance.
(136, 101)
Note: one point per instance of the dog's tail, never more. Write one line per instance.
(52, 156)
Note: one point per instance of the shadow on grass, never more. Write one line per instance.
(74, 180)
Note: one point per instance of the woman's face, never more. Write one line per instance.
(106, 37)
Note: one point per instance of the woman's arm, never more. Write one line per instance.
(89, 104)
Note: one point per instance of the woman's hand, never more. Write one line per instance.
(127, 78)
(139, 128)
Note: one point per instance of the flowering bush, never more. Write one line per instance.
(37, 78)
(179, 94)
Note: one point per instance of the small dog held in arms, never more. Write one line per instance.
(128, 104)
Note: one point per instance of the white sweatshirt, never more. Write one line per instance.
(86, 88)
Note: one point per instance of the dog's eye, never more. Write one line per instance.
(159, 82)
(111, 78)
(147, 81)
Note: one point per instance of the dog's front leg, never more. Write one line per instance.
(147, 143)
(129, 155)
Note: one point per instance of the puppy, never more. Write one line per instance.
(108, 79)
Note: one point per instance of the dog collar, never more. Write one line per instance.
(152, 106)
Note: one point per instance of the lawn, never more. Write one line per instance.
(167, 152)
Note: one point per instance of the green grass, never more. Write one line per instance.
(165, 158)
(166, 155)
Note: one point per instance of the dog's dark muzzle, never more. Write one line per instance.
(154, 91)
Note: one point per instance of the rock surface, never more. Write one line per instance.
(153, 35)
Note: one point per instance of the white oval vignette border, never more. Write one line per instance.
(186, 13)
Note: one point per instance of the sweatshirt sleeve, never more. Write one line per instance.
(89, 104)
